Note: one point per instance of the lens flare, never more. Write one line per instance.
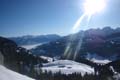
(77, 24)
(68, 50)
(90, 8)
(78, 47)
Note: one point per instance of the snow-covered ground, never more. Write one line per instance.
(97, 59)
(6, 74)
(116, 76)
(31, 46)
(105, 61)
(49, 59)
(67, 67)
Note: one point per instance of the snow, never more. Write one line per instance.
(28, 47)
(97, 59)
(104, 61)
(116, 76)
(113, 70)
(6, 74)
(67, 67)
(49, 59)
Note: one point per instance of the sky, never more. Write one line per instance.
(41, 17)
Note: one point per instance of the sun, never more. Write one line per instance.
(93, 6)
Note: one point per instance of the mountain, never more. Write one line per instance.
(32, 40)
(6, 74)
(103, 42)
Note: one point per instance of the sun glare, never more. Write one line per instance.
(90, 7)
(93, 6)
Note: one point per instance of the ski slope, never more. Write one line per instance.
(6, 74)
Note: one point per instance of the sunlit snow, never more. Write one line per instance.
(6, 74)
(67, 67)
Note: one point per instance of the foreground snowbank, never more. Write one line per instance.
(6, 74)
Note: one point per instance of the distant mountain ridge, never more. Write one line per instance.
(30, 39)
(103, 42)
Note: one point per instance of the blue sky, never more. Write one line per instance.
(38, 17)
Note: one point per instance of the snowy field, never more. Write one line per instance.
(67, 67)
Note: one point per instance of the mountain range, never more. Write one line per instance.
(104, 43)
(96, 44)
(31, 40)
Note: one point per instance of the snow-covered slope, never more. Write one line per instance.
(97, 59)
(49, 59)
(67, 67)
(105, 61)
(6, 74)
